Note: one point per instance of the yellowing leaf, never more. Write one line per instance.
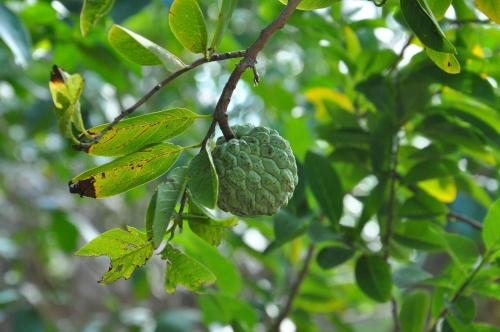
(126, 172)
(446, 61)
(352, 42)
(490, 8)
(93, 11)
(188, 25)
(478, 51)
(185, 271)
(66, 90)
(134, 133)
(318, 96)
(443, 189)
(127, 248)
(138, 49)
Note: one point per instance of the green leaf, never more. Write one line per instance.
(15, 35)
(127, 172)
(65, 233)
(213, 234)
(423, 23)
(188, 25)
(203, 182)
(185, 271)
(93, 11)
(446, 61)
(225, 13)
(162, 205)
(135, 133)
(286, 228)
(373, 276)
(221, 308)
(127, 249)
(462, 250)
(409, 275)
(325, 185)
(491, 227)
(430, 169)
(312, 4)
(464, 309)
(418, 234)
(331, 257)
(490, 8)
(140, 50)
(209, 216)
(421, 206)
(439, 7)
(414, 311)
(66, 90)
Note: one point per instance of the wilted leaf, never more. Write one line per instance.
(127, 172)
(188, 25)
(128, 249)
(140, 50)
(162, 205)
(185, 271)
(93, 11)
(373, 276)
(132, 134)
(203, 182)
(66, 90)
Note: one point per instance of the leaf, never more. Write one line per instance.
(414, 311)
(462, 250)
(490, 8)
(15, 36)
(162, 205)
(66, 91)
(423, 23)
(225, 13)
(373, 276)
(312, 4)
(286, 228)
(464, 309)
(409, 275)
(127, 249)
(185, 271)
(135, 133)
(423, 235)
(491, 227)
(330, 257)
(127, 172)
(422, 206)
(439, 7)
(92, 12)
(442, 189)
(203, 182)
(325, 185)
(188, 25)
(446, 61)
(430, 169)
(140, 50)
(319, 95)
(221, 308)
(213, 234)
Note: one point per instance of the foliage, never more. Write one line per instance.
(393, 118)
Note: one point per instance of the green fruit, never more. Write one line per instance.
(257, 171)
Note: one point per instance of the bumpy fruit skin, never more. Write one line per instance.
(257, 171)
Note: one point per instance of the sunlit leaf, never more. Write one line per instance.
(226, 11)
(132, 134)
(127, 172)
(373, 276)
(66, 91)
(15, 35)
(203, 182)
(162, 205)
(185, 271)
(490, 8)
(443, 189)
(446, 61)
(491, 227)
(419, 17)
(140, 50)
(92, 12)
(313, 4)
(127, 248)
(319, 96)
(188, 25)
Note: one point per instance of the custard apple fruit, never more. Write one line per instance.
(257, 171)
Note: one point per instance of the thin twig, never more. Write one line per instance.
(469, 221)
(248, 61)
(83, 146)
(461, 289)
(400, 55)
(295, 290)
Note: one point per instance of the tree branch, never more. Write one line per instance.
(295, 290)
(248, 61)
(469, 221)
(83, 146)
